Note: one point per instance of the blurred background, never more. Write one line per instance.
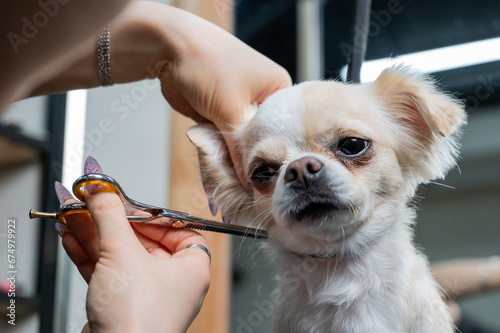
(47, 138)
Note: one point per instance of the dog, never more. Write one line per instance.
(333, 169)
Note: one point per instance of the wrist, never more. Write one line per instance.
(148, 36)
(490, 273)
(138, 46)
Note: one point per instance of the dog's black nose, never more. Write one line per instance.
(303, 171)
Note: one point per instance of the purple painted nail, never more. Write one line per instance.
(91, 166)
(62, 193)
(213, 208)
(226, 220)
(91, 189)
(61, 229)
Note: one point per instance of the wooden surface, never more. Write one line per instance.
(13, 153)
(186, 191)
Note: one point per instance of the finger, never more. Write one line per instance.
(184, 238)
(281, 80)
(81, 226)
(166, 242)
(174, 240)
(151, 246)
(78, 255)
(179, 103)
(236, 158)
(196, 254)
(109, 216)
(227, 129)
(130, 210)
(85, 231)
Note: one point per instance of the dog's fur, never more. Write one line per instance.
(339, 217)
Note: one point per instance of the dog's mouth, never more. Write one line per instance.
(311, 211)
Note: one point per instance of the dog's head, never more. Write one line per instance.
(332, 164)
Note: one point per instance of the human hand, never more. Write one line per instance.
(141, 278)
(215, 77)
(205, 72)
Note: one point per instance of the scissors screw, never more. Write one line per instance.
(177, 224)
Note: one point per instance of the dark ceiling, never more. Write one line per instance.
(396, 27)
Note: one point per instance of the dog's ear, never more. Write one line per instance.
(430, 121)
(219, 178)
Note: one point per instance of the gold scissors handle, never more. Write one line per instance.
(159, 216)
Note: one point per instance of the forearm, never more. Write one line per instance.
(145, 37)
(40, 38)
(462, 278)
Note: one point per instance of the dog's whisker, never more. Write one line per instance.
(443, 185)
(244, 208)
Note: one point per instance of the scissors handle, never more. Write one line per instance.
(60, 215)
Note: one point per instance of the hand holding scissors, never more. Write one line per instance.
(141, 277)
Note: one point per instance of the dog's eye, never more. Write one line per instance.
(352, 146)
(264, 173)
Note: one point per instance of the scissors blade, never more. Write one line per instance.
(179, 220)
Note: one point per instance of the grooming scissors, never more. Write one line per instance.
(159, 216)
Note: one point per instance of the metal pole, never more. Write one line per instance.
(310, 45)
(359, 40)
(48, 237)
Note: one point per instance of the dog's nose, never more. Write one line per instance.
(303, 171)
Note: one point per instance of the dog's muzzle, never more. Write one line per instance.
(307, 184)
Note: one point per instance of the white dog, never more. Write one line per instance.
(334, 168)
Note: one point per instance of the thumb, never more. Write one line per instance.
(236, 158)
(231, 129)
(108, 213)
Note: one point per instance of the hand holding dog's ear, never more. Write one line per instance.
(206, 73)
(217, 81)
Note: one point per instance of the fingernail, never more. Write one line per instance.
(226, 220)
(129, 210)
(62, 192)
(61, 229)
(91, 166)
(213, 208)
(91, 189)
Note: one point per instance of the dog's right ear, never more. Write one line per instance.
(219, 178)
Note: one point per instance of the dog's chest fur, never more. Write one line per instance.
(375, 292)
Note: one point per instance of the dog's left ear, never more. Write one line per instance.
(219, 178)
(430, 121)
(423, 106)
